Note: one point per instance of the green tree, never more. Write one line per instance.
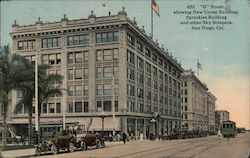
(48, 86)
(12, 74)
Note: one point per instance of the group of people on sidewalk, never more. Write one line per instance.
(124, 137)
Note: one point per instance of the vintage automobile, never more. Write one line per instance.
(64, 142)
(89, 139)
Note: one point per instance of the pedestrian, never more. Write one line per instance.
(141, 136)
(219, 134)
(124, 137)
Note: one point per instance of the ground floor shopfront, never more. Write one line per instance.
(132, 125)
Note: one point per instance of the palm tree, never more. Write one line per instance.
(48, 87)
(12, 74)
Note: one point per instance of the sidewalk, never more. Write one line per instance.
(31, 152)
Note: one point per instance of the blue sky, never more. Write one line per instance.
(224, 55)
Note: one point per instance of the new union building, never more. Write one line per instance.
(111, 69)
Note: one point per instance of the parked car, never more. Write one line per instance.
(64, 142)
(89, 139)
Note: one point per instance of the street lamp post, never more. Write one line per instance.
(102, 115)
(153, 121)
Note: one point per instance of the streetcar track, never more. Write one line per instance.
(162, 149)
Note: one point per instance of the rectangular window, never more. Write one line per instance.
(78, 107)
(58, 58)
(78, 73)
(50, 42)
(86, 56)
(140, 62)
(130, 39)
(139, 46)
(130, 57)
(115, 54)
(70, 107)
(86, 106)
(78, 90)
(99, 106)
(131, 74)
(161, 75)
(78, 57)
(99, 73)
(107, 106)
(106, 37)
(70, 40)
(52, 59)
(51, 108)
(115, 71)
(45, 59)
(130, 90)
(140, 77)
(54, 42)
(148, 67)
(86, 90)
(147, 52)
(86, 73)
(131, 106)
(155, 71)
(75, 40)
(71, 91)
(20, 45)
(107, 54)
(70, 58)
(44, 108)
(154, 57)
(70, 74)
(107, 72)
(58, 107)
(78, 40)
(116, 106)
(140, 92)
(148, 81)
(99, 55)
(98, 38)
(107, 90)
(83, 39)
(148, 95)
(160, 61)
(99, 89)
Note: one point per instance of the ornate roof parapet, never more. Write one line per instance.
(123, 12)
(39, 21)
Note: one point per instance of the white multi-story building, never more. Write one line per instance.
(194, 107)
(211, 112)
(109, 64)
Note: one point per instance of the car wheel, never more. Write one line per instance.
(38, 151)
(71, 147)
(54, 149)
(98, 143)
(83, 145)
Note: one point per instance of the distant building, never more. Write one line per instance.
(211, 112)
(221, 116)
(194, 106)
(109, 64)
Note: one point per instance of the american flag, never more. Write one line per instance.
(155, 8)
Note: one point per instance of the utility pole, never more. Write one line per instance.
(113, 105)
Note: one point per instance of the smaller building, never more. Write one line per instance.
(211, 111)
(221, 116)
(194, 107)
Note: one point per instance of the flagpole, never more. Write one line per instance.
(151, 19)
(197, 69)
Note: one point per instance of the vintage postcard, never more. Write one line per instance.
(123, 78)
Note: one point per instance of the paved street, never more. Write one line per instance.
(207, 147)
